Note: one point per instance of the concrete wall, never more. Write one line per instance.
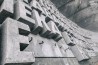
(36, 33)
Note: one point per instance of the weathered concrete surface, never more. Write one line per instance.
(47, 45)
(44, 47)
(79, 53)
(92, 61)
(67, 39)
(49, 61)
(5, 10)
(21, 13)
(63, 61)
(11, 50)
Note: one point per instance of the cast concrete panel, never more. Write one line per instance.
(23, 29)
(37, 18)
(35, 5)
(41, 26)
(46, 30)
(51, 61)
(72, 61)
(67, 39)
(55, 33)
(43, 47)
(79, 53)
(23, 14)
(11, 45)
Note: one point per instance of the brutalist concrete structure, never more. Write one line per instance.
(34, 32)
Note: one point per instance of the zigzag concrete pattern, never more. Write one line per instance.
(34, 32)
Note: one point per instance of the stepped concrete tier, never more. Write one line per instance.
(34, 32)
